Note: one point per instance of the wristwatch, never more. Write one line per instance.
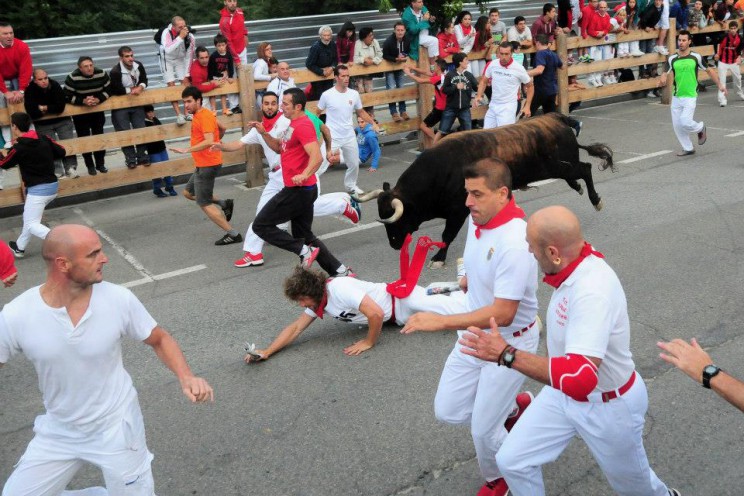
(709, 372)
(507, 358)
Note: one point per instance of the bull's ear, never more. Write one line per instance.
(386, 186)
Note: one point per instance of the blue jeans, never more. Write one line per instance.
(448, 118)
(395, 80)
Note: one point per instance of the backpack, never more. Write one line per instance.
(158, 38)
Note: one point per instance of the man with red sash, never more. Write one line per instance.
(352, 300)
(501, 283)
(592, 389)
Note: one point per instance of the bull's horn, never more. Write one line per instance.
(398, 206)
(367, 196)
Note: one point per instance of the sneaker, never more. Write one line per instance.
(523, 400)
(351, 214)
(130, 165)
(722, 104)
(685, 153)
(228, 239)
(159, 193)
(606, 80)
(613, 79)
(236, 110)
(589, 59)
(703, 135)
(171, 191)
(661, 49)
(355, 205)
(740, 95)
(347, 273)
(397, 117)
(92, 171)
(189, 117)
(496, 487)
(180, 120)
(16, 251)
(102, 169)
(72, 172)
(405, 116)
(228, 209)
(249, 260)
(637, 53)
(578, 127)
(307, 260)
(651, 94)
(674, 492)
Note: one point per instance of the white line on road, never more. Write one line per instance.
(360, 227)
(179, 272)
(734, 135)
(537, 184)
(644, 157)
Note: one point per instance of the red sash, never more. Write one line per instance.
(557, 279)
(410, 272)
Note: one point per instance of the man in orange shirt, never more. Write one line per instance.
(206, 131)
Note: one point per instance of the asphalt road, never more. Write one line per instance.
(312, 421)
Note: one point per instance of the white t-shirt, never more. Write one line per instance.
(513, 35)
(499, 265)
(506, 82)
(588, 315)
(279, 87)
(81, 375)
(340, 108)
(345, 295)
(254, 138)
(466, 42)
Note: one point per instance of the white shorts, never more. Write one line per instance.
(174, 70)
(501, 114)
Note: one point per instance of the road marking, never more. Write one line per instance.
(644, 157)
(537, 184)
(357, 228)
(734, 135)
(147, 276)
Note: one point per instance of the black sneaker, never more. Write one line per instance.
(92, 171)
(16, 251)
(236, 110)
(228, 209)
(228, 239)
(102, 169)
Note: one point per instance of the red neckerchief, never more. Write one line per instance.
(268, 124)
(507, 64)
(509, 212)
(410, 272)
(556, 280)
(323, 301)
(468, 29)
(30, 134)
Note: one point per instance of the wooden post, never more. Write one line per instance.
(561, 49)
(671, 44)
(425, 98)
(253, 165)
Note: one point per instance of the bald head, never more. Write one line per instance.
(555, 238)
(63, 240)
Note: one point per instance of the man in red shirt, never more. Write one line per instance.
(199, 74)
(301, 158)
(232, 26)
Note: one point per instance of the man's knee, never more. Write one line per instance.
(508, 459)
(445, 411)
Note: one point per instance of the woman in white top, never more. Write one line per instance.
(367, 52)
(261, 68)
(465, 31)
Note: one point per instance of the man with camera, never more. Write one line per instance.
(177, 48)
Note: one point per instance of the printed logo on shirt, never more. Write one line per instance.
(286, 136)
(561, 312)
(345, 316)
(351, 103)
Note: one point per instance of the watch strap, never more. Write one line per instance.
(707, 376)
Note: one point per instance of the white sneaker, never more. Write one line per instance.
(651, 94)
(613, 79)
(180, 120)
(637, 53)
(661, 49)
(740, 95)
(189, 117)
(606, 80)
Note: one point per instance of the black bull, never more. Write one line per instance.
(433, 186)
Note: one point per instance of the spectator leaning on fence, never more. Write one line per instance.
(418, 20)
(345, 42)
(221, 67)
(45, 97)
(440, 99)
(496, 25)
(200, 74)
(282, 82)
(177, 49)
(465, 31)
(367, 52)
(520, 33)
(89, 86)
(232, 27)
(129, 77)
(321, 59)
(395, 50)
(262, 67)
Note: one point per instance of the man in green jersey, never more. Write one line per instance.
(685, 65)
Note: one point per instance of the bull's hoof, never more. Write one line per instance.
(581, 190)
(436, 265)
(599, 205)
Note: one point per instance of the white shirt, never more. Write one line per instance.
(340, 108)
(261, 71)
(513, 35)
(345, 295)
(499, 265)
(274, 159)
(506, 82)
(279, 86)
(588, 315)
(466, 41)
(81, 375)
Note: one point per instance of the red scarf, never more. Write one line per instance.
(323, 302)
(507, 64)
(268, 124)
(410, 272)
(509, 212)
(557, 279)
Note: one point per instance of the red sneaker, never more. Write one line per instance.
(351, 214)
(249, 259)
(307, 260)
(523, 401)
(496, 487)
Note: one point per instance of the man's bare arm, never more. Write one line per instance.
(501, 309)
(285, 338)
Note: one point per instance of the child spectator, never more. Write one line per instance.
(221, 67)
(729, 58)
(440, 99)
(458, 85)
(158, 153)
(448, 44)
(369, 146)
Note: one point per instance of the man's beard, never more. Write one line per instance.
(269, 116)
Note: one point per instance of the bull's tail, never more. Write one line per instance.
(602, 151)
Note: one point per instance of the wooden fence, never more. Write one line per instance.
(251, 155)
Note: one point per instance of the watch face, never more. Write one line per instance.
(710, 369)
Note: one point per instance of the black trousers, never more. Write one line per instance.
(547, 102)
(295, 205)
(91, 125)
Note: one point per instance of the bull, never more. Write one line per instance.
(432, 187)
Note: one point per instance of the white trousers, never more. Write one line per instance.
(481, 394)
(601, 52)
(612, 431)
(723, 70)
(430, 43)
(58, 451)
(350, 150)
(627, 47)
(501, 114)
(325, 205)
(419, 301)
(683, 110)
(33, 210)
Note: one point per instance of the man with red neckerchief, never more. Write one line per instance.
(592, 387)
(501, 283)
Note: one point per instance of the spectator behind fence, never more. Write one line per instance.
(367, 52)
(157, 152)
(631, 48)
(345, 41)
(395, 50)
(496, 25)
(440, 99)
(448, 44)
(129, 77)
(520, 33)
(262, 67)
(34, 155)
(282, 82)
(546, 24)
(45, 97)
(177, 49)
(483, 41)
(649, 16)
(89, 86)
(232, 27)
(729, 59)
(15, 75)
(464, 31)
(417, 21)
(598, 28)
(221, 67)
(321, 59)
(200, 73)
